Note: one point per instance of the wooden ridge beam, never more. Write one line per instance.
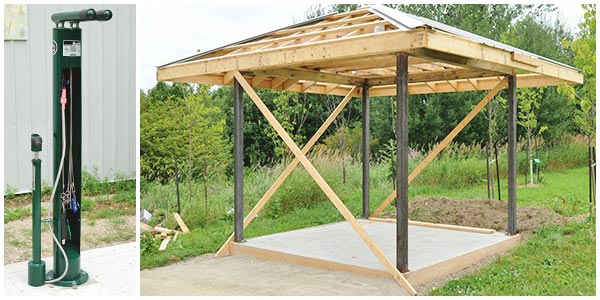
(308, 166)
(445, 142)
(288, 170)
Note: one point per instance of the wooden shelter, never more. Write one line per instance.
(372, 51)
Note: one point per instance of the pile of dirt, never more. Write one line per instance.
(482, 213)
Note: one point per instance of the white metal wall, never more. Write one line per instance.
(109, 93)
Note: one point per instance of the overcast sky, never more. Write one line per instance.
(180, 30)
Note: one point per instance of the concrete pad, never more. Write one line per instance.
(429, 248)
(113, 271)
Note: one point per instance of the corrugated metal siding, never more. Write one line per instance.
(109, 93)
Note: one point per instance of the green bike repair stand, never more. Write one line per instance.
(66, 53)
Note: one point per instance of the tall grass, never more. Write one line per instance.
(458, 167)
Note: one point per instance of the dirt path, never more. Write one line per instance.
(240, 275)
(96, 233)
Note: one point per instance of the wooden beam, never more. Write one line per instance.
(257, 79)
(462, 85)
(366, 45)
(310, 75)
(276, 82)
(288, 83)
(306, 261)
(324, 186)
(530, 60)
(344, 65)
(319, 26)
(180, 222)
(497, 58)
(331, 33)
(452, 265)
(283, 176)
(460, 60)
(164, 243)
(306, 85)
(145, 227)
(445, 142)
(443, 75)
(440, 226)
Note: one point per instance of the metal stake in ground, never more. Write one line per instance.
(177, 184)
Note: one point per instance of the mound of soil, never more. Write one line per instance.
(483, 213)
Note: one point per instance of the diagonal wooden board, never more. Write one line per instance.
(445, 142)
(267, 196)
(323, 185)
(164, 243)
(180, 222)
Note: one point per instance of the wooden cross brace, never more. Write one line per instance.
(269, 193)
(445, 142)
(301, 157)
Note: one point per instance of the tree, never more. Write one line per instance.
(529, 104)
(583, 98)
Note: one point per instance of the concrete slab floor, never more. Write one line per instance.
(339, 243)
(113, 271)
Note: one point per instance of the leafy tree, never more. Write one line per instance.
(583, 98)
(189, 127)
(529, 104)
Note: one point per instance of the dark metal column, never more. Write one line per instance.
(402, 162)
(366, 153)
(512, 155)
(238, 156)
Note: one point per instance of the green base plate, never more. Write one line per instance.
(35, 273)
(81, 279)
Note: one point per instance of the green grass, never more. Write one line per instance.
(563, 191)
(555, 261)
(299, 204)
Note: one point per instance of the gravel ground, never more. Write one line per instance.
(95, 234)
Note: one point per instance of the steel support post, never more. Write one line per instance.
(512, 155)
(402, 162)
(366, 120)
(238, 154)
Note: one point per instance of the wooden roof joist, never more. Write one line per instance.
(338, 89)
(333, 53)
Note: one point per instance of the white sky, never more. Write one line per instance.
(179, 30)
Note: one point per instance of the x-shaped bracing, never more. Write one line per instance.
(445, 142)
(308, 166)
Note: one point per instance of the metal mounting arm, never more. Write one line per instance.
(82, 16)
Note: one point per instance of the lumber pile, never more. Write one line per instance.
(166, 234)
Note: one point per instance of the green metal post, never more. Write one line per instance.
(66, 53)
(36, 266)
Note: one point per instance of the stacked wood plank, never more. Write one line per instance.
(166, 234)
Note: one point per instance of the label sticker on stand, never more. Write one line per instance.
(71, 48)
